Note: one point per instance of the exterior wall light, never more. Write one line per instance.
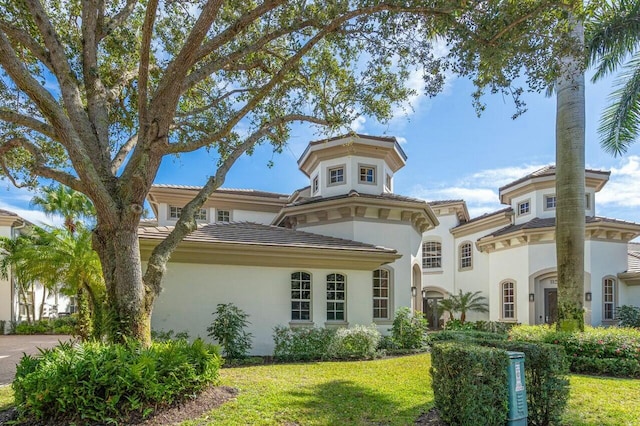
(424, 294)
(414, 291)
(532, 297)
(587, 296)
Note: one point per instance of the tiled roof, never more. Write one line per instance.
(484, 216)
(633, 257)
(7, 213)
(550, 222)
(235, 191)
(257, 234)
(440, 202)
(354, 193)
(545, 171)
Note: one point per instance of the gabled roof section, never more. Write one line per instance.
(484, 222)
(457, 207)
(8, 218)
(545, 178)
(247, 243)
(384, 147)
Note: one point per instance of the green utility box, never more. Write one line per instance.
(517, 392)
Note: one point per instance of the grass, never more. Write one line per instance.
(6, 397)
(603, 401)
(391, 392)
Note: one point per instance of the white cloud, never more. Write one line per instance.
(401, 140)
(623, 188)
(357, 125)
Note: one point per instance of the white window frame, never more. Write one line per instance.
(431, 257)
(343, 175)
(336, 296)
(387, 182)
(609, 298)
(508, 303)
(174, 212)
(202, 215)
(587, 201)
(522, 204)
(548, 198)
(364, 178)
(222, 212)
(301, 296)
(379, 298)
(465, 258)
(315, 184)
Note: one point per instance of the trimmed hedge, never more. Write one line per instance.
(470, 383)
(461, 335)
(546, 370)
(95, 382)
(612, 351)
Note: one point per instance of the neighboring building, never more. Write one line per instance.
(15, 304)
(346, 250)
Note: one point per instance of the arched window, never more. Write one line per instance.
(431, 255)
(381, 294)
(336, 297)
(466, 255)
(301, 296)
(609, 295)
(508, 292)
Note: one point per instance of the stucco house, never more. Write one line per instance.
(347, 250)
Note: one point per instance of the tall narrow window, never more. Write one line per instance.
(466, 256)
(336, 296)
(431, 255)
(387, 182)
(609, 299)
(315, 184)
(508, 300)
(300, 296)
(381, 290)
(587, 202)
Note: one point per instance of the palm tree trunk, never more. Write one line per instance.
(44, 299)
(570, 192)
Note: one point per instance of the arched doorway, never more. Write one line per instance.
(431, 298)
(417, 288)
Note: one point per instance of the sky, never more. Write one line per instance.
(452, 154)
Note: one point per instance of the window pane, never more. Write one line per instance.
(431, 254)
(300, 296)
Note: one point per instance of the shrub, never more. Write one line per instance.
(301, 344)
(628, 316)
(470, 383)
(165, 336)
(358, 342)
(95, 382)
(409, 331)
(228, 328)
(620, 346)
(62, 325)
(494, 326)
(448, 335)
(458, 325)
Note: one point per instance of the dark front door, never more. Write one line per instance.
(550, 305)
(430, 308)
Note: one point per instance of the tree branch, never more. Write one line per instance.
(123, 152)
(145, 52)
(117, 20)
(23, 37)
(29, 122)
(39, 168)
(211, 104)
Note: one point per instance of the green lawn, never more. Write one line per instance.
(390, 392)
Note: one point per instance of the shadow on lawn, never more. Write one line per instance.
(343, 402)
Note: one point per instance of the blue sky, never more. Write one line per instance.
(451, 152)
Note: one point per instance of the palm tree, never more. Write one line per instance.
(448, 305)
(470, 302)
(61, 200)
(613, 42)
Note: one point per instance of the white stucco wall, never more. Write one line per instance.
(192, 291)
(443, 277)
(237, 215)
(352, 173)
(5, 286)
(604, 259)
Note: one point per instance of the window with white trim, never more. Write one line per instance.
(174, 212)
(587, 201)
(431, 254)
(466, 256)
(508, 290)
(223, 216)
(367, 174)
(336, 175)
(201, 214)
(315, 184)
(524, 207)
(381, 294)
(336, 297)
(550, 202)
(609, 290)
(387, 182)
(300, 296)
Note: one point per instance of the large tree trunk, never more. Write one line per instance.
(570, 192)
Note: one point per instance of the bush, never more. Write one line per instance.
(95, 382)
(494, 326)
(409, 331)
(62, 325)
(358, 342)
(165, 336)
(448, 335)
(628, 316)
(470, 383)
(458, 325)
(301, 344)
(619, 346)
(228, 328)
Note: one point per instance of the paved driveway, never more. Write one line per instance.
(12, 348)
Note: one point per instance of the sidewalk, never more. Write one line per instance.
(12, 347)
